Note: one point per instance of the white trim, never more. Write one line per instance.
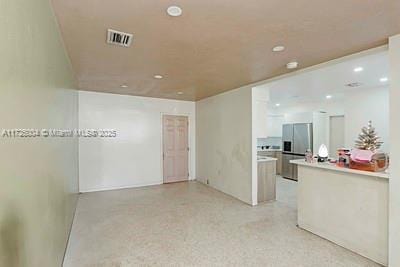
(121, 187)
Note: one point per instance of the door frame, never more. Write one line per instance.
(329, 129)
(184, 114)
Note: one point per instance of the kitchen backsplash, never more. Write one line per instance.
(269, 141)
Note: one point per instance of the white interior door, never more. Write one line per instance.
(175, 148)
(336, 134)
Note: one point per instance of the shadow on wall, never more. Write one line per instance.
(11, 239)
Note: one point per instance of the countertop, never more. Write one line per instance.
(333, 167)
(265, 159)
(270, 150)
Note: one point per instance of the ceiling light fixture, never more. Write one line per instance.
(277, 104)
(358, 69)
(158, 76)
(124, 86)
(174, 11)
(328, 97)
(384, 79)
(278, 48)
(292, 65)
(180, 93)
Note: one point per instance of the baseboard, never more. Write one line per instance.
(120, 187)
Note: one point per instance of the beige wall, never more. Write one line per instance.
(360, 106)
(134, 157)
(394, 211)
(38, 176)
(224, 142)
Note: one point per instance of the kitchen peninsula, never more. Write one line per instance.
(348, 207)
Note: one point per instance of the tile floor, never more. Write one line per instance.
(190, 224)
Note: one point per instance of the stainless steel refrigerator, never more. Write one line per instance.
(296, 139)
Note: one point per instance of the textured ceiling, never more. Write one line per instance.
(216, 45)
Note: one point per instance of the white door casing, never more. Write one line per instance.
(336, 134)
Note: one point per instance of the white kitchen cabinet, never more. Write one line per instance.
(301, 117)
(267, 125)
(274, 125)
(261, 126)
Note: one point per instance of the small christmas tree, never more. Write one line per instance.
(368, 139)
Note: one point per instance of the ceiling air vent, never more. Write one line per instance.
(119, 38)
(356, 84)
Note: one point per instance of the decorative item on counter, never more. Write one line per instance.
(368, 139)
(365, 156)
(309, 156)
(322, 153)
(377, 162)
(343, 155)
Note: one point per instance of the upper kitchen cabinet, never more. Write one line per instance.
(267, 125)
(274, 125)
(261, 125)
(260, 100)
(299, 117)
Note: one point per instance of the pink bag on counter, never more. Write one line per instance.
(362, 156)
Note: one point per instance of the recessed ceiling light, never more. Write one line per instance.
(124, 86)
(328, 97)
(277, 104)
(180, 93)
(292, 65)
(174, 11)
(384, 79)
(278, 48)
(358, 69)
(158, 76)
